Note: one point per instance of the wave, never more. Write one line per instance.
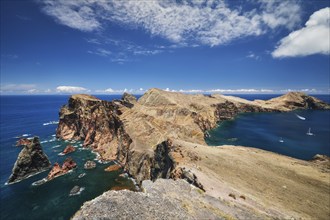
(56, 146)
(77, 193)
(23, 135)
(81, 175)
(50, 123)
(39, 182)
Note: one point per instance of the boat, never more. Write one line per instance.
(300, 117)
(309, 132)
(281, 140)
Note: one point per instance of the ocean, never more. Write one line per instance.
(38, 115)
(282, 133)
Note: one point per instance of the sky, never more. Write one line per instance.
(192, 46)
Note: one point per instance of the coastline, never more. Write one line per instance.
(161, 135)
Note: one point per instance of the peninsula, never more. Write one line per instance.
(161, 135)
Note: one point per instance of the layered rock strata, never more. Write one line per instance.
(162, 136)
(134, 135)
(30, 161)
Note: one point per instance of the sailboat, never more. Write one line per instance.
(281, 140)
(309, 132)
(300, 117)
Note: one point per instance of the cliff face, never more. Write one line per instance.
(31, 160)
(136, 133)
(95, 122)
(162, 136)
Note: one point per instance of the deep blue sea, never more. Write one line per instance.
(26, 115)
(30, 115)
(283, 133)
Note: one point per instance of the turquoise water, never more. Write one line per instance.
(265, 130)
(27, 115)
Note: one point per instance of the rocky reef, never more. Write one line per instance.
(30, 161)
(68, 149)
(162, 136)
(58, 170)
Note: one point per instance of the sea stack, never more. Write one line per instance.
(30, 161)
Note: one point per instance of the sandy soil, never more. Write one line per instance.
(270, 183)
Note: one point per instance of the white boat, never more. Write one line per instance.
(300, 117)
(309, 132)
(281, 140)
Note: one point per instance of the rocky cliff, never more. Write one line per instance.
(97, 123)
(31, 160)
(162, 136)
(134, 132)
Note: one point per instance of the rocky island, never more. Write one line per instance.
(30, 161)
(162, 134)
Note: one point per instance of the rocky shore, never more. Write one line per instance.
(161, 135)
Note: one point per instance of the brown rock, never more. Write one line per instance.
(23, 142)
(57, 170)
(69, 149)
(129, 98)
(111, 168)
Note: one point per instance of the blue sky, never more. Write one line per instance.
(90, 46)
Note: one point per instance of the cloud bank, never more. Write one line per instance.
(71, 89)
(206, 22)
(314, 38)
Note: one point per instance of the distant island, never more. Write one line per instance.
(162, 136)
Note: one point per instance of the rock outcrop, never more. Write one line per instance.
(97, 123)
(113, 167)
(68, 149)
(58, 170)
(135, 136)
(162, 136)
(23, 142)
(163, 199)
(129, 98)
(31, 160)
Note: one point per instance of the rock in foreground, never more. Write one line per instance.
(163, 199)
(31, 160)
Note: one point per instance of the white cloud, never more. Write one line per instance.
(280, 13)
(253, 56)
(71, 89)
(120, 91)
(100, 52)
(17, 87)
(209, 22)
(314, 38)
(74, 14)
(93, 41)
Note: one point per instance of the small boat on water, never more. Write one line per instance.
(309, 132)
(281, 140)
(300, 117)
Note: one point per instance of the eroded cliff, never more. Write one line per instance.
(162, 136)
